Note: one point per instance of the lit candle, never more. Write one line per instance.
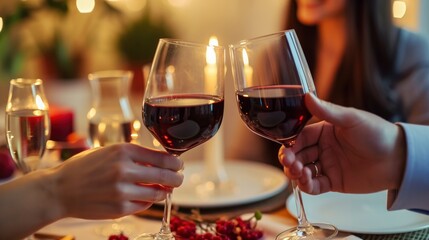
(210, 70)
(248, 70)
(213, 149)
(62, 123)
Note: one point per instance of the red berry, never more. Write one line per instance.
(223, 229)
(121, 236)
(7, 167)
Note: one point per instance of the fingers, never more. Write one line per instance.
(154, 175)
(288, 156)
(335, 114)
(309, 136)
(153, 157)
(305, 168)
(143, 193)
(315, 168)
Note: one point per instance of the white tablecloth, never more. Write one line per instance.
(87, 229)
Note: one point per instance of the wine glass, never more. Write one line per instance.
(183, 102)
(27, 123)
(271, 77)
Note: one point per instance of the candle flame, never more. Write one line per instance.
(213, 41)
(210, 53)
(245, 57)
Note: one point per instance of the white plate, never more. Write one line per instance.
(247, 182)
(272, 225)
(359, 213)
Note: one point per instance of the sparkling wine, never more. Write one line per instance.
(109, 132)
(275, 112)
(27, 132)
(181, 122)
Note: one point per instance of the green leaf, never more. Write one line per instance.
(138, 41)
(258, 215)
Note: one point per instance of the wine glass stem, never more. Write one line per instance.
(303, 224)
(165, 228)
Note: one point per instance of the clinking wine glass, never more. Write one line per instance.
(27, 123)
(271, 77)
(183, 102)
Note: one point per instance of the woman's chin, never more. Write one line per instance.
(309, 19)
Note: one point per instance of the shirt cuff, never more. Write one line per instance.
(414, 190)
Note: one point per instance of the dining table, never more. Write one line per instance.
(277, 208)
(276, 217)
(277, 213)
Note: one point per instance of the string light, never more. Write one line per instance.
(85, 6)
(399, 9)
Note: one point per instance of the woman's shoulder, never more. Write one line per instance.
(413, 45)
(412, 51)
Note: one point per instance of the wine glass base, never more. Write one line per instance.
(320, 231)
(154, 236)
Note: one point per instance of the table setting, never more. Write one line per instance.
(183, 107)
(275, 220)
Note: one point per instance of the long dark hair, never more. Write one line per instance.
(366, 74)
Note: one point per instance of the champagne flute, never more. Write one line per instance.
(183, 102)
(271, 77)
(27, 123)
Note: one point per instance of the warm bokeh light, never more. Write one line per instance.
(245, 57)
(178, 3)
(399, 9)
(85, 6)
(1, 24)
(210, 53)
(213, 41)
(156, 143)
(135, 5)
(129, 5)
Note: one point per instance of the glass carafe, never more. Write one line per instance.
(111, 119)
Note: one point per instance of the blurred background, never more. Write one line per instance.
(61, 41)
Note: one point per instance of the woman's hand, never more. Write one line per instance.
(351, 151)
(115, 181)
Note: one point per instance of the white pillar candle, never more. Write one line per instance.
(213, 149)
(248, 70)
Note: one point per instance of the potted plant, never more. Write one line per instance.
(137, 45)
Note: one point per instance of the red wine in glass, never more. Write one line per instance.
(275, 112)
(181, 122)
(183, 103)
(271, 77)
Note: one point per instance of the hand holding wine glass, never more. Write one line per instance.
(27, 122)
(271, 77)
(183, 102)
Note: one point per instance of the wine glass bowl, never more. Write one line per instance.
(183, 102)
(27, 123)
(182, 122)
(271, 78)
(280, 116)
